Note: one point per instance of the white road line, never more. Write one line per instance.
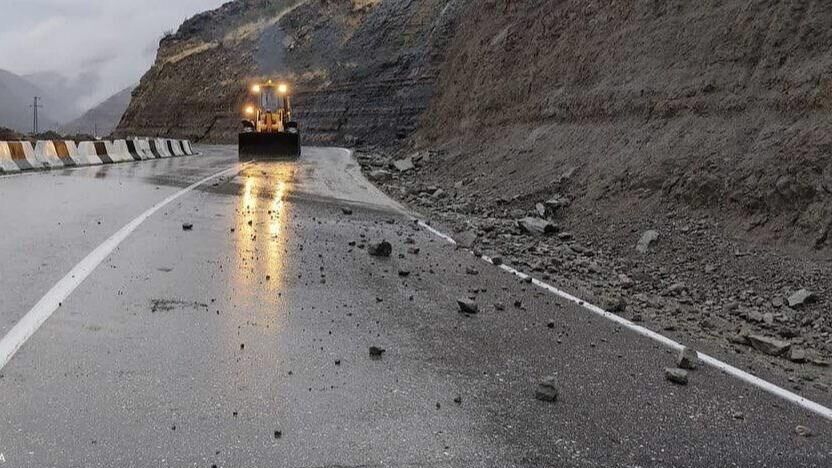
(46, 306)
(751, 379)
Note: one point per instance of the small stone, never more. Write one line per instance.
(648, 238)
(403, 165)
(688, 359)
(346, 211)
(465, 239)
(497, 260)
(550, 324)
(472, 271)
(458, 400)
(566, 236)
(613, 303)
(537, 226)
(404, 273)
(797, 355)
(278, 434)
(547, 389)
(801, 297)
(467, 306)
(376, 352)
(676, 375)
(803, 431)
(413, 250)
(768, 345)
(379, 175)
(380, 249)
(187, 226)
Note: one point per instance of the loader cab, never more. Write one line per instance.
(271, 111)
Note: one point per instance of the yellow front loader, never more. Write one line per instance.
(268, 129)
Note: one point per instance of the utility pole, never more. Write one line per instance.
(35, 106)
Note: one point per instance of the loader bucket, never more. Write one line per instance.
(254, 146)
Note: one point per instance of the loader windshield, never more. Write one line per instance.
(270, 100)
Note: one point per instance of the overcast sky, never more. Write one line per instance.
(114, 39)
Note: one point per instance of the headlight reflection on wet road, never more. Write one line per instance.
(259, 227)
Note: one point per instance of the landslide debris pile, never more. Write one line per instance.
(668, 161)
(361, 70)
(717, 105)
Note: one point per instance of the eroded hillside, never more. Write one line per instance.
(362, 70)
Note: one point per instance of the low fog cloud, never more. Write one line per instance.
(109, 42)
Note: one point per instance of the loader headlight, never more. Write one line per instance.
(255, 89)
(249, 110)
(282, 89)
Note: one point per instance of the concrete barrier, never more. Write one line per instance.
(23, 154)
(117, 151)
(154, 148)
(7, 165)
(67, 151)
(16, 156)
(88, 151)
(175, 148)
(185, 150)
(144, 149)
(134, 149)
(45, 154)
(162, 148)
(55, 153)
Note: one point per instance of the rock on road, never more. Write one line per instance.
(242, 340)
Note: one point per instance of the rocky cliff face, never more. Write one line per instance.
(361, 70)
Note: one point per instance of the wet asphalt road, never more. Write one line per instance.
(192, 348)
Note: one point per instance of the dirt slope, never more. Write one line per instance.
(715, 104)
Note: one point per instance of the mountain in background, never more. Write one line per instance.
(64, 96)
(16, 95)
(103, 118)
